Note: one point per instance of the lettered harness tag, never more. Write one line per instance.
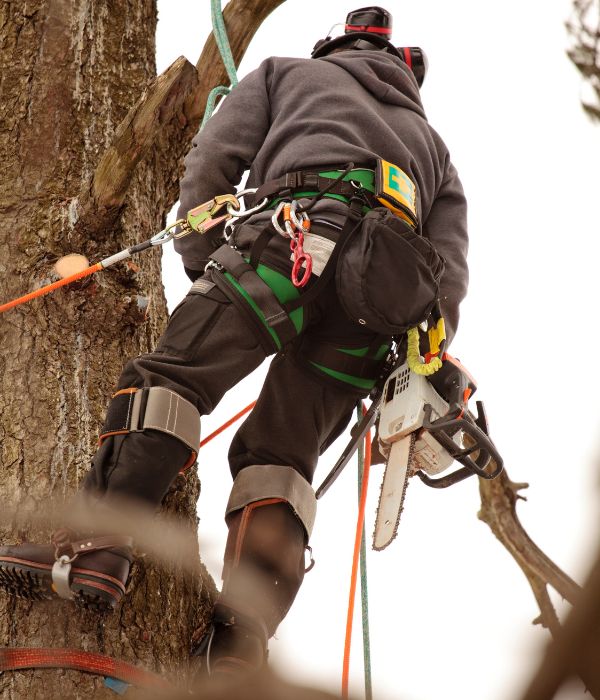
(395, 190)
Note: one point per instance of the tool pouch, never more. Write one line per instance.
(388, 276)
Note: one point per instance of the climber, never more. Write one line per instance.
(339, 149)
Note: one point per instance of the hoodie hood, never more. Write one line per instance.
(386, 77)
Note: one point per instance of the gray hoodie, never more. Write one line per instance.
(293, 114)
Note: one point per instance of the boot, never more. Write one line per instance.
(233, 647)
(92, 572)
(262, 573)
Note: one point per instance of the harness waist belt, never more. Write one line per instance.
(311, 182)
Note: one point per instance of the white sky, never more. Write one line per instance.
(450, 611)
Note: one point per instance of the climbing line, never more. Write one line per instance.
(222, 40)
(226, 425)
(364, 592)
(17, 658)
(51, 287)
(355, 560)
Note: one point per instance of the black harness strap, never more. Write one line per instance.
(258, 290)
(259, 245)
(302, 180)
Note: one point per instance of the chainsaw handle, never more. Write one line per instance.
(442, 430)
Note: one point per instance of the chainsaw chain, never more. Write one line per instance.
(410, 471)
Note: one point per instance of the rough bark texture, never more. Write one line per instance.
(90, 154)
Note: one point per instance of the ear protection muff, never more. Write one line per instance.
(416, 59)
(370, 28)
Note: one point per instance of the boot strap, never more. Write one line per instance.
(65, 546)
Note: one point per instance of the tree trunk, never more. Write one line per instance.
(70, 72)
(83, 171)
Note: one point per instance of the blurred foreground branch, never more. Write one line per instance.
(584, 30)
(575, 648)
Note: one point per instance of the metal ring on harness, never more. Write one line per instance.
(238, 213)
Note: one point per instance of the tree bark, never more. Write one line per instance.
(84, 171)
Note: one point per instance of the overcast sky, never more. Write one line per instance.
(450, 611)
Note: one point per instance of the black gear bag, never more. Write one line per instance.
(387, 276)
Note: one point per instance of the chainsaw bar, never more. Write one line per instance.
(393, 491)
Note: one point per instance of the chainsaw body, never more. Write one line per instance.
(435, 408)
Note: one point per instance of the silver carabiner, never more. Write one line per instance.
(298, 222)
(275, 220)
(168, 233)
(238, 213)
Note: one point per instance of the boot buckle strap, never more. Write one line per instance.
(60, 577)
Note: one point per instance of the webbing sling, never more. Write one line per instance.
(260, 292)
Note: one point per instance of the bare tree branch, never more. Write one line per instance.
(498, 510)
(99, 204)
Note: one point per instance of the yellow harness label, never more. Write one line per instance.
(396, 191)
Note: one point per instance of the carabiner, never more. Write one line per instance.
(238, 213)
(302, 261)
(275, 220)
(168, 233)
(198, 216)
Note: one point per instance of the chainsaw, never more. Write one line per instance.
(424, 426)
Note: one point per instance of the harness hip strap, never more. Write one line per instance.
(260, 292)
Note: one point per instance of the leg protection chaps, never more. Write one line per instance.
(270, 515)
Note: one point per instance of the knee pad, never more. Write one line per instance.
(136, 410)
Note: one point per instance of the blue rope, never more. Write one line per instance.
(211, 103)
(223, 41)
(224, 47)
(364, 593)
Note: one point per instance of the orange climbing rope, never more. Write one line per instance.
(51, 287)
(355, 560)
(226, 425)
(15, 659)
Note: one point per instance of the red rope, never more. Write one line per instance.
(355, 560)
(237, 416)
(19, 658)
